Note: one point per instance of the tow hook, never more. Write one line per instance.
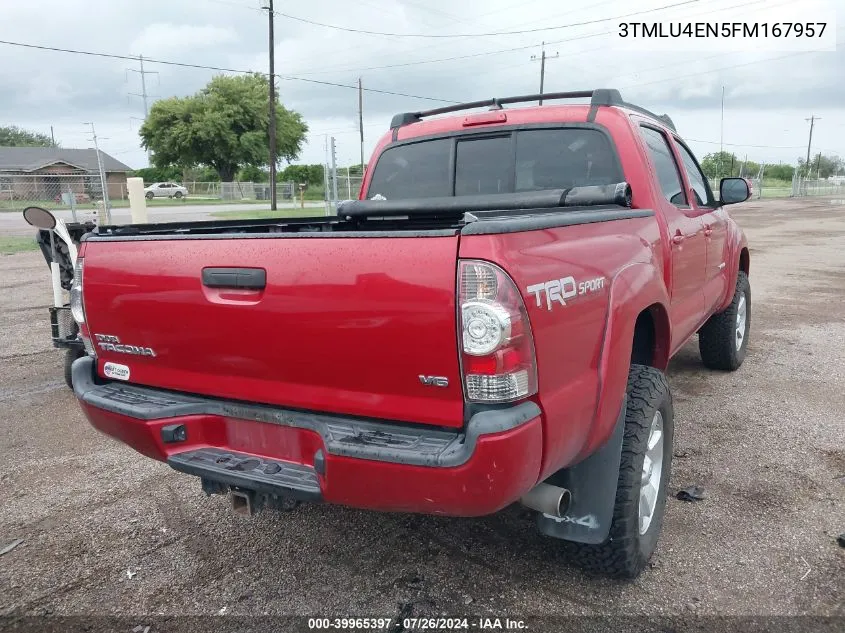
(548, 499)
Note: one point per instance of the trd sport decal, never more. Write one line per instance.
(559, 290)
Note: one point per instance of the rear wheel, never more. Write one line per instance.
(643, 479)
(723, 340)
(149, 195)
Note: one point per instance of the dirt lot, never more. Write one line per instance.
(766, 442)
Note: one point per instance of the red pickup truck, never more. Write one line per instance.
(489, 323)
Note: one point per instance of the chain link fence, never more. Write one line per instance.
(833, 187)
(761, 188)
(73, 191)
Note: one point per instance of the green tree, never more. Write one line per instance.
(13, 136)
(224, 126)
(719, 164)
(824, 165)
(748, 169)
(158, 174)
(201, 174)
(250, 173)
(779, 172)
(308, 174)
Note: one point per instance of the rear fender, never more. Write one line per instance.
(635, 288)
(592, 480)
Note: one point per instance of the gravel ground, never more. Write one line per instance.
(108, 532)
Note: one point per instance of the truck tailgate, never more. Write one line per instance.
(343, 324)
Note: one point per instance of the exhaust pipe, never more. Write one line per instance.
(243, 502)
(548, 499)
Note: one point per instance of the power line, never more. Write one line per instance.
(713, 70)
(359, 69)
(220, 69)
(491, 34)
(698, 140)
(440, 43)
(457, 57)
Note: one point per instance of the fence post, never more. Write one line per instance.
(71, 195)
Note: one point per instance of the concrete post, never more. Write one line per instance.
(137, 202)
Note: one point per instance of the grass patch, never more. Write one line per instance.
(10, 245)
(308, 212)
(782, 192)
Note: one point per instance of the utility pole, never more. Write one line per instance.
(271, 15)
(722, 135)
(361, 122)
(52, 136)
(106, 203)
(813, 118)
(326, 174)
(348, 186)
(818, 164)
(143, 94)
(334, 172)
(542, 59)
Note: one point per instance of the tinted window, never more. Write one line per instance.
(664, 164)
(417, 170)
(545, 159)
(557, 159)
(703, 195)
(483, 166)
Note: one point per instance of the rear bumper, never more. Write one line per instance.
(361, 463)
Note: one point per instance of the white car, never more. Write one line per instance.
(165, 190)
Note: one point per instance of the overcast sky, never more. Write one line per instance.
(768, 94)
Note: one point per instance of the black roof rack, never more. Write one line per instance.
(598, 97)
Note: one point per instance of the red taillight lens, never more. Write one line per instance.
(497, 347)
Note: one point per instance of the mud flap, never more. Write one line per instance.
(592, 483)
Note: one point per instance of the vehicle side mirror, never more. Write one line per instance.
(39, 218)
(733, 190)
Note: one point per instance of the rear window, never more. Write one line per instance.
(418, 170)
(525, 160)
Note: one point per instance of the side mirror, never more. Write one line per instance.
(733, 190)
(39, 218)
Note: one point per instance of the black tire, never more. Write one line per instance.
(70, 356)
(717, 339)
(149, 195)
(177, 195)
(626, 552)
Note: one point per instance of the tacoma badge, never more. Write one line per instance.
(110, 343)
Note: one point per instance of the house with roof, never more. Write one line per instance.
(46, 173)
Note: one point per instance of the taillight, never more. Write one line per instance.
(77, 307)
(497, 347)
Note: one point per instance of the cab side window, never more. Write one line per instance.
(703, 194)
(665, 166)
